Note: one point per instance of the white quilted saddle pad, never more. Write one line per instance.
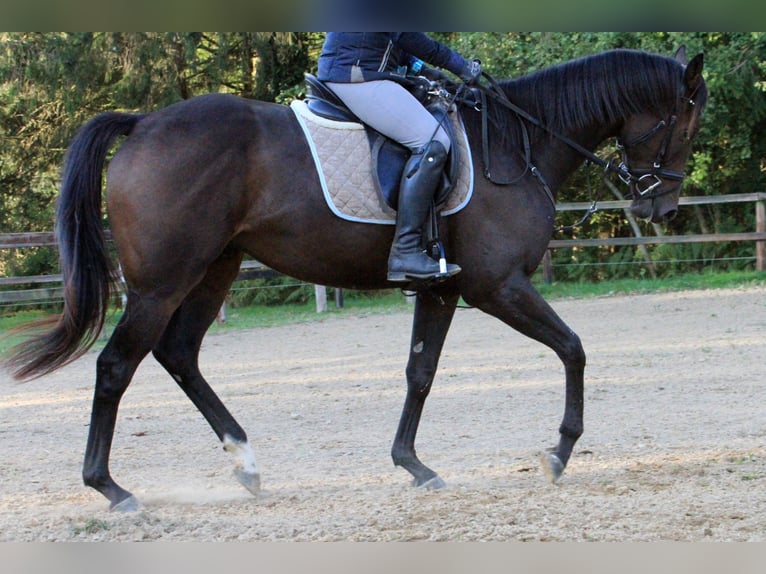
(343, 161)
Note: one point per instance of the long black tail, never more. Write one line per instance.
(85, 264)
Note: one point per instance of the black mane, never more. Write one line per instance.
(602, 89)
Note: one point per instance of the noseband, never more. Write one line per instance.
(647, 181)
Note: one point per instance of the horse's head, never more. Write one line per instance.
(656, 148)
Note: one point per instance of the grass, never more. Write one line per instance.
(681, 282)
(239, 319)
(91, 526)
(259, 316)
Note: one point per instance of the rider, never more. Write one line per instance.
(359, 67)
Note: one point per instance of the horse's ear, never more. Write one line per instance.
(693, 74)
(681, 54)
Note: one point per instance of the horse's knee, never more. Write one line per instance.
(572, 352)
(419, 380)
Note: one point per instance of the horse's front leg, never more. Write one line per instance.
(433, 314)
(519, 305)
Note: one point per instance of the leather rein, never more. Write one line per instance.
(648, 181)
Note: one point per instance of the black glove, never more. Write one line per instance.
(471, 71)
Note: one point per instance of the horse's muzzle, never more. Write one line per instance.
(653, 210)
(668, 216)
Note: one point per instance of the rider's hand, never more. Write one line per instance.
(471, 71)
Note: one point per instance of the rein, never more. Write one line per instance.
(647, 181)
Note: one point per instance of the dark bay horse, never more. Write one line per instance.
(196, 185)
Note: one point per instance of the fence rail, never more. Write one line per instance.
(248, 270)
(758, 236)
(254, 269)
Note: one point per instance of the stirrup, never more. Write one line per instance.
(445, 272)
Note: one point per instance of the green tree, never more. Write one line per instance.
(51, 83)
(730, 151)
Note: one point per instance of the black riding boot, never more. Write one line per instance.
(408, 260)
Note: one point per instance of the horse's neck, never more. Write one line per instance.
(555, 158)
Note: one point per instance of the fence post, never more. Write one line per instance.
(636, 230)
(760, 226)
(320, 293)
(547, 267)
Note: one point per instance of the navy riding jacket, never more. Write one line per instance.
(364, 56)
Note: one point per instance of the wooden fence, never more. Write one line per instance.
(758, 236)
(50, 285)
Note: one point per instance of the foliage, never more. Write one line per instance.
(730, 150)
(729, 154)
(50, 83)
(272, 291)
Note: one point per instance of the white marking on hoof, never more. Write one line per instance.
(245, 467)
(552, 466)
(251, 481)
(130, 504)
(435, 483)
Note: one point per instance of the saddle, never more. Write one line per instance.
(388, 156)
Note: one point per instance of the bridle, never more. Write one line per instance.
(647, 181)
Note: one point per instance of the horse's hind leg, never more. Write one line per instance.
(433, 316)
(178, 352)
(141, 326)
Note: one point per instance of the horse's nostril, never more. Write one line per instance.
(670, 215)
(641, 209)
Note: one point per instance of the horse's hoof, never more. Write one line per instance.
(250, 480)
(130, 504)
(434, 483)
(552, 466)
